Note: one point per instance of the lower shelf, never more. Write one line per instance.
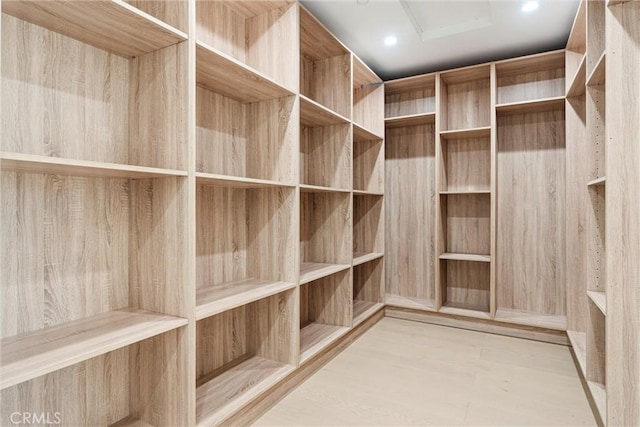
(37, 353)
(222, 396)
(548, 321)
(362, 257)
(599, 394)
(464, 310)
(362, 310)
(316, 336)
(579, 343)
(409, 302)
(219, 298)
(310, 271)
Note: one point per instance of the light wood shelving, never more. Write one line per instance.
(368, 164)
(368, 98)
(368, 289)
(362, 257)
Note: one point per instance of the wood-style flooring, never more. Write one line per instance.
(403, 373)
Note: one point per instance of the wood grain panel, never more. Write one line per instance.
(410, 208)
(368, 224)
(368, 282)
(327, 300)
(466, 222)
(577, 201)
(467, 104)
(221, 27)
(411, 102)
(623, 206)
(368, 165)
(65, 248)
(326, 228)
(316, 42)
(531, 85)
(465, 284)
(467, 164)
(325, 156)
(368, 107)
(328, 81)
(596, 347)
(173, 12)
(531, 227)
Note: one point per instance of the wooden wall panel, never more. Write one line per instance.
(221, 27)
(173, 12)
(410, 211)
(531, 227)
(328, 81)
(468, 105)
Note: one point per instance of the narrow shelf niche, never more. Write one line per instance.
(259, 352)
(250, 31)
(368, 289)
(325, 312)
(466, 164)
(531, 78)
(368, 164)
(465, 285)
(368, 224)
(466, 98)
(112, 111)
(234, 226)
(368, 98)
(412, 96)
(325, 232)
(325, 66)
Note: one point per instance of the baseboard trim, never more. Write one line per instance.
(480, 325)
(253, 410)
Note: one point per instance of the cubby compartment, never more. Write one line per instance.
(130, 385)
(325, 154)
(247, 137)
(325, 66)
(410, 171)
(325, 233)
(466, 162)
(368, 98)
(249, 32)
(234, 225)
(325, 312)
(368, 227)
(465, 287)
(466, 224)
(368, 163)
(466, 98)
(85, 107)
(368, 289)
(83, 274)
(596, 357)
(242, 352)
(596, 248)
(411, 100)
(532, 78)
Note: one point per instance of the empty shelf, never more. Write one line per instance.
(579, 79)
(228, 76)
(313, 114)
(306, 188)
(220, 397)
(597, 181)
(37, 353)
(409, 302)
(236, 181)
(465, 192)
(599, 299)
(367, 193)
(31, 163)
(459, 310)
(361, 134)
(316, 336)
(219, 298)
(310, 271)
(578, 341)
(362, 310)
(362, 257)
(549, 321)
(410, 120)
(466, 257)
(480, 132)
(114, 26)
(535, 106)
(598, 73)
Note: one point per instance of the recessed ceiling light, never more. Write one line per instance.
(530, 6)
(390, 40)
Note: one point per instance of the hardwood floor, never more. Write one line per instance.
(409, 373)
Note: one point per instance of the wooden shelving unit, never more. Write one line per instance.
(368, 98)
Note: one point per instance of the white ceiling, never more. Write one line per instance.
(437, 35)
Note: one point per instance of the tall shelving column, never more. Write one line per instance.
(246, 203)
(410, 113)
(622, 104)
(463, 184)
(94, 172)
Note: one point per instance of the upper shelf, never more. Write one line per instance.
(532, 63)
(579, 79)
(229, 181)
(316, 42)
(409, 84)
(363, 75)
(113, 25)
(578, 37)
(313, 114)
(229, 77)
(30, 355)
(535, 106)
(410, 120)
(598, 74)
(480, 132)
(31, 163)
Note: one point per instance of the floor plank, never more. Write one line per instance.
(409, 373)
